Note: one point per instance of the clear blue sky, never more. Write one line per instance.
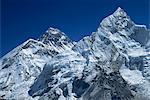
(24, 19)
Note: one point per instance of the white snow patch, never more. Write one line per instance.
(137, 52)
(132, 76)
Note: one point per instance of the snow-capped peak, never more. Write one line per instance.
(118, 21)
(52, 33)
(55, 35)
(52, 30)
(120, 12)
(56, 39)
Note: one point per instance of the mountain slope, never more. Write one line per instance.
(21, 66)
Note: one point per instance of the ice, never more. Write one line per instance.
(132, 76)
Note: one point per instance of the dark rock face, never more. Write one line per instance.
(79, 87)
(42, 83)
(55, 37)
(136, 63)
(141, 35)
(108, 87)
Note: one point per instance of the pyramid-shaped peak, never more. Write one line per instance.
(120, 12)
(118, 21)
(119, 9)
(52, 30)
(54, 36)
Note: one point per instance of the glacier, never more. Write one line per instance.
(112, 63)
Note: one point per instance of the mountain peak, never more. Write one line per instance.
(55, 37)
(120, 12)
(118, 21)
(119, 9)
(51, 34)
(53, 31)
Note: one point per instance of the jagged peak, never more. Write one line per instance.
(52, 33)
(119, 9)
(54, 36)
(52, 30)
(117, 21)
(120, 12)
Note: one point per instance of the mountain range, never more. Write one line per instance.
(112, 63)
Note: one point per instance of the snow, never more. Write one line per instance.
(137, 52)
(132, 76)
(52, 30)
(25, 69)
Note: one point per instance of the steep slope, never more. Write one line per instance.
(118, 28)
(61, 72)
(56, 39)
(20, 67)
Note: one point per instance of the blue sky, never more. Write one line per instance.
(24, 19)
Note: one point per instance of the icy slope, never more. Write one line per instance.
(56, 40)
(20, 67)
